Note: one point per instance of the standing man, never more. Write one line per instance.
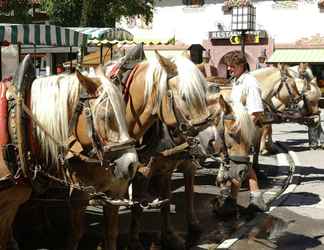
(246, 92)
(261, 60)
(207, 69)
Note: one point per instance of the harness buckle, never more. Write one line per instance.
(87, 112)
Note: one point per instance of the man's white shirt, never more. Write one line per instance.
(248, 87)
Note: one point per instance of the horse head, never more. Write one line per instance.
(235, 129)
(88, 118)
(183, 92)
(109, 123)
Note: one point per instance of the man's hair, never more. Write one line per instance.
(235, 58)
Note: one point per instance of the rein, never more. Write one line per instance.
(291, 113)
(72, 147)
(187, 129)
(292, 106)
(227, 157)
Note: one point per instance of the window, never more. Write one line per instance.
(321, 4)
(193, 2)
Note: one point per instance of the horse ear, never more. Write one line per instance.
(88, 83)
(224, 105)
(166, 63)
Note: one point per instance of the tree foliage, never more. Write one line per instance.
(95, 13)
(63, 12)
(19, 8)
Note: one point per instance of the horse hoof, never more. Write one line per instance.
(171, 241)
(135, 245)
(225, 207)
(193, 235)
(194, 229)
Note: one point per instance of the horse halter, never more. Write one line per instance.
(98, 149)
(227, 157)
(188, 129)
(293, 101)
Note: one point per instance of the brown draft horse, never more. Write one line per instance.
(237, 134)
(55, 102)
(158, 89)
(174, 92)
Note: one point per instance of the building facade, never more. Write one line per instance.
(201, 21)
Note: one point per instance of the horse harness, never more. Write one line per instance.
(292, 112)
(69, 149)
(227, 157)
(98, 149)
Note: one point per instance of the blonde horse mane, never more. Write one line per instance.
(54, 97)
(192, 86)
(243, 119)
(267, 78)
(244, 122)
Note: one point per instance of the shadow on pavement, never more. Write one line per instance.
(291, 241)
(299, 199)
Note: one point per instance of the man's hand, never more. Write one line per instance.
(256, 116)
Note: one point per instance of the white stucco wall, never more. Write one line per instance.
(287, 25)
(9, 62)
(191, 24)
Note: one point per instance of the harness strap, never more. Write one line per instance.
(129, 81)
(91, 131)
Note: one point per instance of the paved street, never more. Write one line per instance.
(295, 220)
(298, 221)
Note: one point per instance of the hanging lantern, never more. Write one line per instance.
(243, 18)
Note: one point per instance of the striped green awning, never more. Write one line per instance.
(39, 34)
(297, 56)
(104, 36)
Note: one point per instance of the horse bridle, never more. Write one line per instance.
(97, 148)
(227, 157)
(293, 102)
(187, 129)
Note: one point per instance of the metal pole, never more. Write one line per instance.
(243, 42)
(19, 52)
(34, 55)
(111, 51)
(82, 54)
(70, 55)
(101, 48)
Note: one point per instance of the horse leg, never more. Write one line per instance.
(134, 240)
(266, 139)
(111, 226)
(192, 219)
(256, 150)
(12, 243)
(79, 201)
(11, 199)
(315, 134)
(169, 239)
(321, 135)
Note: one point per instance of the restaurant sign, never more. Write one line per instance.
(230, 34)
